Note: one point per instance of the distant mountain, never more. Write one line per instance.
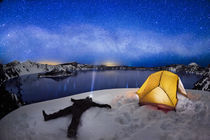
(16, 69)
(204, 83)
(193, 64)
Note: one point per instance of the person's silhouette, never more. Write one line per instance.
(79, 106)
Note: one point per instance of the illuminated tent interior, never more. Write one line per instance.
(160, 89)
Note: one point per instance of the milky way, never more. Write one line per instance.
(133, 33)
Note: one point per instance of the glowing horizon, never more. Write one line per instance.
(49, 62)
(109, 63)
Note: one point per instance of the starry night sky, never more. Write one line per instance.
(126, 32)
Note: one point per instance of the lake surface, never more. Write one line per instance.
(34, 89)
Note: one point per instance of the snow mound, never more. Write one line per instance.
(125, 121)
(193, 64)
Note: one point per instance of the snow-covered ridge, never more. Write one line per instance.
(193, 64)
(191, 68)
(16, 69)
(204, 83)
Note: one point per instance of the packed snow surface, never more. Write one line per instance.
(125, 121)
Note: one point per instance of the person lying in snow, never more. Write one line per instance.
(79, 106)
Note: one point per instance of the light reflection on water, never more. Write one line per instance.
(36, 89)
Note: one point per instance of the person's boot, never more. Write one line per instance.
(45, 115)
(71, 133)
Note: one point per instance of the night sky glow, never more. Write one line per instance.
(126, 32)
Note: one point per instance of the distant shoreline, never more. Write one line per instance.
(16, 69)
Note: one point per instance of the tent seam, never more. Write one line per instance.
(153, 88)
(165, 91)
(168, 96)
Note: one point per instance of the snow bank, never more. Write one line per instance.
(125, 121)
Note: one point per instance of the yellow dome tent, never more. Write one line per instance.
(160, 89)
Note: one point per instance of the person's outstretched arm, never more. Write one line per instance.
(75, 100)
(101, 105)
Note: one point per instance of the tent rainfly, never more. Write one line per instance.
(160, 89)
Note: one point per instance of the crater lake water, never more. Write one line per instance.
(34, 89)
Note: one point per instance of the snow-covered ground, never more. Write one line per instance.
(125, 121)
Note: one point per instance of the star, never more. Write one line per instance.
(129, 32)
